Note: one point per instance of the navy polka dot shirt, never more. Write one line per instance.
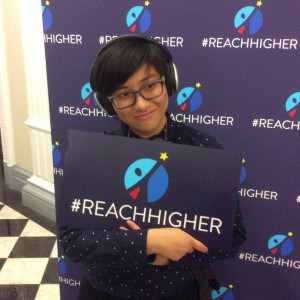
(116, 261)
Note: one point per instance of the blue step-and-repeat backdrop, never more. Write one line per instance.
(240, 61)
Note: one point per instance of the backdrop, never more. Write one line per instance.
(239, 70)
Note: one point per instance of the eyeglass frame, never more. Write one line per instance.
(162, 81)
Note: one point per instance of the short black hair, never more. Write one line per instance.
(117, 61)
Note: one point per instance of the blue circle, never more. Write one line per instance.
(191, 96)
(47, 18)
(250, 15)
(158, 182)
(138, 19)
(56, 155)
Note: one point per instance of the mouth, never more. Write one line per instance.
(145, 116)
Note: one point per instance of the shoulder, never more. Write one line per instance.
(118, 132)
(197, 137)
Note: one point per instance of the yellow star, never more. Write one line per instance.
(259, 3)
(56, 143)
(164, 156)
(290, 234)
(198, 84)
(230, 286)
(147, 3)
(62, 257)
(47, 3)
(243, 161)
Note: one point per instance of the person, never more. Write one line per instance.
(133, 77)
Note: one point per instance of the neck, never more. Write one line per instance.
(146, 135)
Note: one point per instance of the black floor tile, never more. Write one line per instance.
(12, 227)
(13, 199)
(18, 292)
(2, 261)
(30, 247)
(51, 272)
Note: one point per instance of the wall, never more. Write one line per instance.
(238, 63)
(25, 123)
(17, 83)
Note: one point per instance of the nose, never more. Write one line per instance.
(140, 102)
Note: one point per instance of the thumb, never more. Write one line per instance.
(197, 245)
(132, 225)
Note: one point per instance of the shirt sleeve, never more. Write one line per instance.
(190, 261)
(123, 248)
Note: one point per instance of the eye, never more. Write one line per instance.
(123, 95)
(149, 86)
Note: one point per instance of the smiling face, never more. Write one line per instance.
(146, 117)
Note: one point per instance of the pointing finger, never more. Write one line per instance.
(199, 246)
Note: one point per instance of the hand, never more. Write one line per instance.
(172, 243)
(160, 260)
(131, 225)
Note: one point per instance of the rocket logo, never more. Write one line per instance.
(189, 99)
(62, 267)
(87, 95)
(47, 16)
(243, 172)
(139, 19)
(224, 293)
(249, 19)
(56, 154)
(292, 103)
(149, 174)
(281, 244)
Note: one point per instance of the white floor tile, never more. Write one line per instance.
(48, 292)
(8, 213)
(23, 270)
(54, 252)
(34, 229)
(6, 245)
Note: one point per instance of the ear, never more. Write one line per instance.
(109, 111)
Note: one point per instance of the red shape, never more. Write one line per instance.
(183, 107)
(241, 29)
(88, 101)
(135, 193)
(274, 251)
(133, 28)
(292, 112)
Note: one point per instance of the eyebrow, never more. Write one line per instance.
(150, 76)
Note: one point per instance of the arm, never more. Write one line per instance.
(176, 248)
(197, 258)
(164, 244)
(110, 247)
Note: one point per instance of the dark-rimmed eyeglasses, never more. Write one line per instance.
(149, 91)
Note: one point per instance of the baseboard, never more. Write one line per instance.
(39, 200)
(15, 177)
(34, 196)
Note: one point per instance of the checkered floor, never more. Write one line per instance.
(28, 258)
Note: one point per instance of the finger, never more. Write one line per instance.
(190, 250)
(133, 225)
(123, 228)
(197, 245)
